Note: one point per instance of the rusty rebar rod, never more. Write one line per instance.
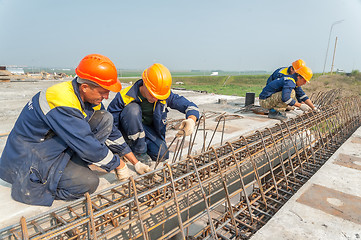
(250, 178)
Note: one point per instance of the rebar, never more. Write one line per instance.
(226, 192)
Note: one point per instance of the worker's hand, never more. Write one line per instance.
(316, 110)
(122, 173)
(305, 107)
(188, 127)
(141, 168)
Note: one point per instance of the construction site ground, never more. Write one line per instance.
(326, 207)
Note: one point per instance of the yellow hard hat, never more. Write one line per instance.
(298, 64)
(158, 80)
(306, 73)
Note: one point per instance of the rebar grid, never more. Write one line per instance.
(229, 191)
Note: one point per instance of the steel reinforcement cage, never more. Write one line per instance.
(225, 192)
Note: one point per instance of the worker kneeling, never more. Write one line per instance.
(140, 113)
(280, 93)
(60, 132)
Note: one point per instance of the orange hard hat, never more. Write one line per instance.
(101, 70)
(298, 64)
(157, 80)
(306, 73)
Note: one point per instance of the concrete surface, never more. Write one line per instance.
(14, 95)
(328, 206)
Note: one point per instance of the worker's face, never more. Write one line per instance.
(300, 81)
(148, 96)
(94, 95)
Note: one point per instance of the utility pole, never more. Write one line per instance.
(328, 45)
(334, 52)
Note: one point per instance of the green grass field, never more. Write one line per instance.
(239, 83)
(227, 85)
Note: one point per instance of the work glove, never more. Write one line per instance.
(188, 127)
(141, 168)
(122, 173)
(305, 107)
(316, 109)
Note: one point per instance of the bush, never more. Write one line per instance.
(355, 72)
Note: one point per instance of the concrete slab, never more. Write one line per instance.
(15, 95)
(327, 206)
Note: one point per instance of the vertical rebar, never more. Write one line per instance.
(140, 218)
(91, 223)
(176, 201)
(213, 230)
(223, 179)
(24, 228)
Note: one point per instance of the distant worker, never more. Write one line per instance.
(282, 92)
(60, 132)
(140, 112)
(283, 71)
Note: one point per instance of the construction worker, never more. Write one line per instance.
(60, 132)
(281, 92)
(283, 71)
(140, 112)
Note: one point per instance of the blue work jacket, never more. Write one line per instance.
(160, 110)
(50, 129)
(285, 84)
(278, 73)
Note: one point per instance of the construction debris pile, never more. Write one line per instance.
(4, 74)
(225, 192)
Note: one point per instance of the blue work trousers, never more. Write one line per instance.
(78, 178)
(140, 137)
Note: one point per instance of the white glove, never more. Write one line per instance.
(122, 173)
(316, 109)
(141, 168)
(305, 107)
(188, 127)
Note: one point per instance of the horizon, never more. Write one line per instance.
(72, 69)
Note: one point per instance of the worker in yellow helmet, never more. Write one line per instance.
(282, 92)
(61, 131)
(140, 113)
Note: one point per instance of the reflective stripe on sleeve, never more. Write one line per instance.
(304, 96)
(44, 105)
(137, 135)
(118, 141)
(105, 160)
(289, 101)
(192, 108)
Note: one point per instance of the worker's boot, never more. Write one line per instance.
(144, 158)
(273, 114)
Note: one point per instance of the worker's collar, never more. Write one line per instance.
(289, 70)
(294, 77)
(134, 90)
(77, 92)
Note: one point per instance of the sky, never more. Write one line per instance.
(229, 35)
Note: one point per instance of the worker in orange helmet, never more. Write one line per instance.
(282, 92)
(61, 131)
(140, 113)
(283, 71)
